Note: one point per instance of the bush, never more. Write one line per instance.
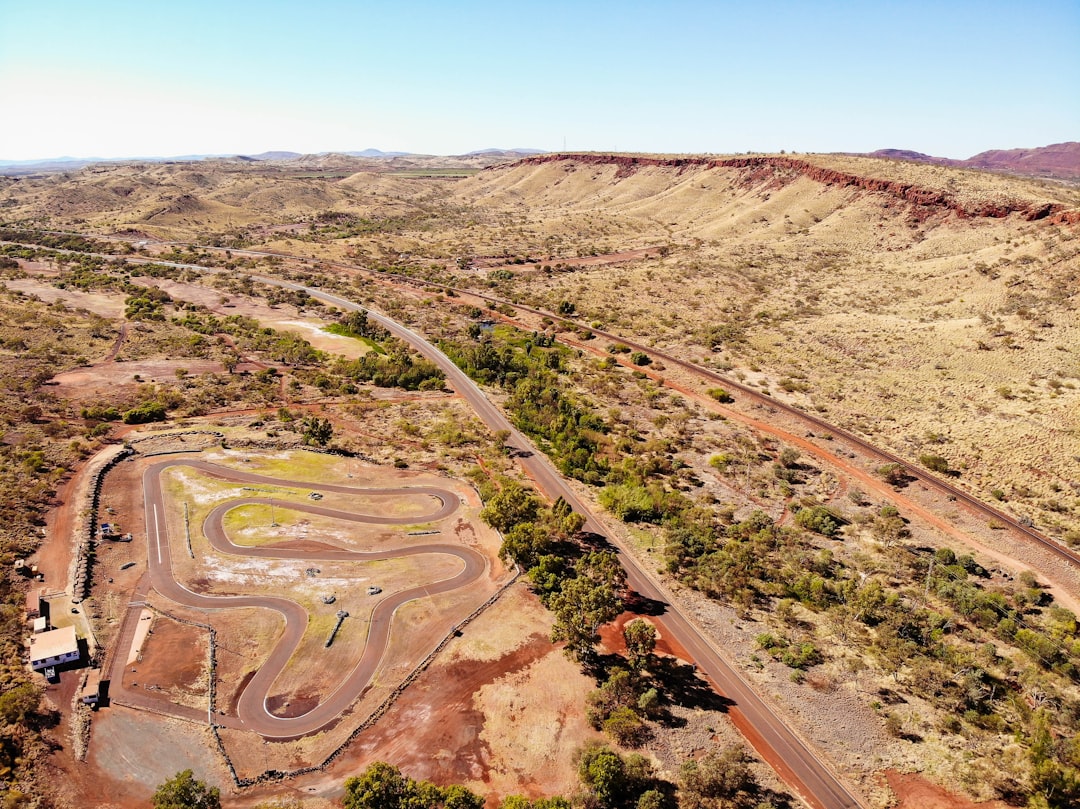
(819, 520)
(935, 463)
(894, 474)
(721, 395)
(144, 413)
(100, 413)
(721, 461)
(630, 502)
(625, 727)
(184, 791)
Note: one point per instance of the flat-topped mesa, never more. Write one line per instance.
(908, 192)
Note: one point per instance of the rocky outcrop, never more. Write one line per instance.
(762, 168)
(1055, 160)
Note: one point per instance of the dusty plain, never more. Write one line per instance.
(926, 327)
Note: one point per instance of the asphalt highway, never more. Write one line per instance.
(798, 765)
(251, 707)
(795, 762)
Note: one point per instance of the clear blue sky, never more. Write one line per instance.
(110, 78)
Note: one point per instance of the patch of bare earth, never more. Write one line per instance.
(282, 317)
(172, 663)
(915, 792)
(132, 752)
(100, 303)
(499, 710)
(106, 379)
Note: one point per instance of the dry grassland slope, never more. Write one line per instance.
(930, 308)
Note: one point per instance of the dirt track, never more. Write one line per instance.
(252, 709)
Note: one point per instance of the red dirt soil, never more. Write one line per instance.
(440, 716)
(915, 792)
(173, 656)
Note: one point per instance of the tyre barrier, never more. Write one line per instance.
(80, 576)
(213, 433)
(278, 444)
(80, 721)
(341, 616)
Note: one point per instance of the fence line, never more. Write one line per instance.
(375, 716)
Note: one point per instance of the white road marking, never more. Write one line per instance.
(157, 534)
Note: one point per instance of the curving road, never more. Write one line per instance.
(251, 707)
(796, 763)
(1020, 527)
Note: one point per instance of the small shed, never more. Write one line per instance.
(54, 648)
(41, 624)
(35, 605)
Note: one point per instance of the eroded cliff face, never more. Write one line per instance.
(782, 169)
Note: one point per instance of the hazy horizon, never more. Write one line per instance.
(120, 79)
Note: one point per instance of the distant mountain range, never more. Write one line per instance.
(74, 163)
(1059, 160)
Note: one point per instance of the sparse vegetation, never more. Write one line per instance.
(967, 347)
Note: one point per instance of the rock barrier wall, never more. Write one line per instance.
(80, 575)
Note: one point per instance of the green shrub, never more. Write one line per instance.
(819, 520)
(144, 413)
(935, 463)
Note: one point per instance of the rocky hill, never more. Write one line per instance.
(1058, 161)
(922, 305)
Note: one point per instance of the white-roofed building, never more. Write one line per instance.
(53, 648)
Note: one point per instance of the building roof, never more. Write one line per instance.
(55, 643)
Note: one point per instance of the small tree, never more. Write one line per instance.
(512, 505)
(603, 773)
(819, 520)
(789, 458)
(317, 431)
(718, 779)
(640, 637)
(587, 601)
(184, 791)
(894, 474)
(19, 702)
(144, 413)
(626, 727)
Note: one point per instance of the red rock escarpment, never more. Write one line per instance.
(762, 167)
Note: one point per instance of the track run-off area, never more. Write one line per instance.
(252, 707)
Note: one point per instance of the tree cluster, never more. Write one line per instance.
(532, 369)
